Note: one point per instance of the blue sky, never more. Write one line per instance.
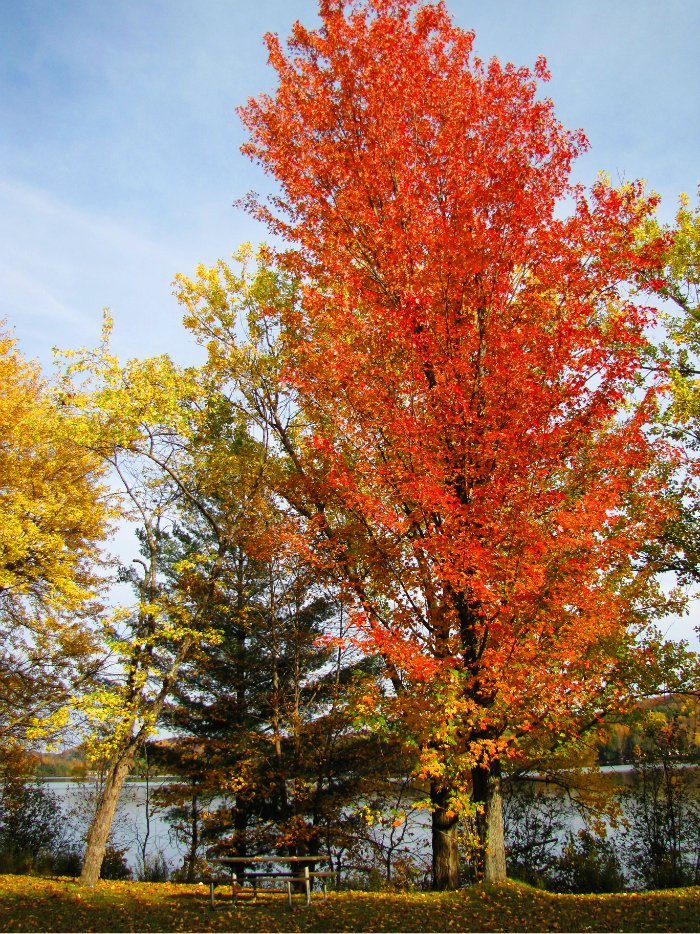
(119, 141)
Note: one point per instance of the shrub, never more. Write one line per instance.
(114, 865)
(32, 833)
(67, 862)
(155, 869)
(662, 805)
(31, 821)
(589, 864)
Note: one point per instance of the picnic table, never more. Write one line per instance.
(302, 875)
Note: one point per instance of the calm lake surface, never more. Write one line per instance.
(130, 826)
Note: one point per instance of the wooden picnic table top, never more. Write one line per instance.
(270, 859)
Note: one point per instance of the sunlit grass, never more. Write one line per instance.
(38, 904)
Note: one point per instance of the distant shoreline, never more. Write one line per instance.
(91, 777)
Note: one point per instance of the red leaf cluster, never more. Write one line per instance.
(463, 351)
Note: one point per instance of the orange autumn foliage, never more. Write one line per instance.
(462, 355)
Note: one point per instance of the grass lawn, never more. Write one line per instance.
(38, 904)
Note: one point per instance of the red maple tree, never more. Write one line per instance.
(462, 355)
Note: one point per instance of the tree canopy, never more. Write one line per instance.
(462, 358)
(435, 411)
(55, 514)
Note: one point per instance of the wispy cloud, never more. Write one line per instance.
(60, 265)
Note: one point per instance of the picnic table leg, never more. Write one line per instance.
(325, 894)
(289, 894)
(234, 885)
(307, 886)
(211, 895)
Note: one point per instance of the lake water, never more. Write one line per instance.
(129, 827)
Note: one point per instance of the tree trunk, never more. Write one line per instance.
(118, 770)
(194, 842)
(445, 848)
(104, 815)
(489, 823)
(144, 845)
(240, 827)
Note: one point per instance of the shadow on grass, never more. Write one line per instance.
(58, 904)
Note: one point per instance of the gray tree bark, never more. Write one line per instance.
(489, 823)
(104, 815)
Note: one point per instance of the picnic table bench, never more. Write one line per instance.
(302, 876)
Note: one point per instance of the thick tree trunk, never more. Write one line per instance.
(445, 848)
(489, 823)
(104, 815)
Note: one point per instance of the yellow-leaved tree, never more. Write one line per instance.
(168, 440)
(677, 282)
(55, 512)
